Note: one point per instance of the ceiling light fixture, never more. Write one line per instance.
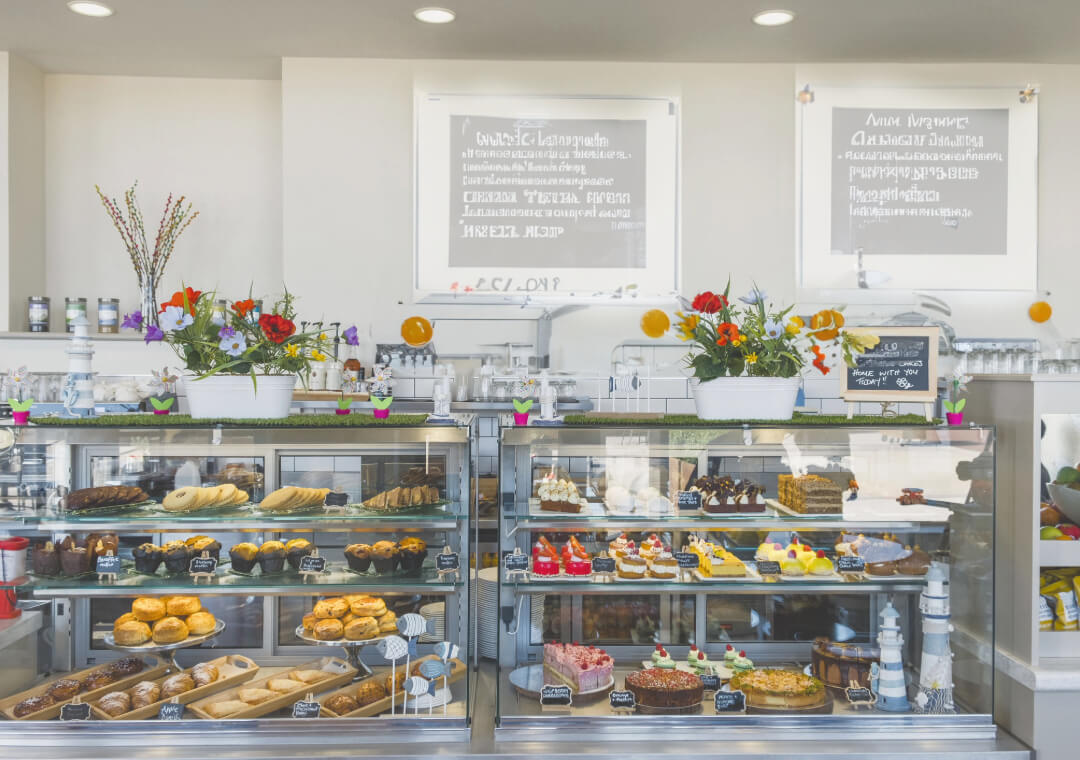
(775, 17)
(434, 15)
(88, 8)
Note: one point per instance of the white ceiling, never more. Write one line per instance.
(247, 38)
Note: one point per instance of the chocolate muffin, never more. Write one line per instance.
(199, 544)
(271, 557)
(385, 556)
(243, 557)
(177, 557)
(74, 560)
(412, 552)
(148, 558)
(45, 559)
(296, 550)
(359, 557)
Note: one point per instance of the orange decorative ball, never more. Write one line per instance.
(1040, 311)
(654, 323)
(416, 331)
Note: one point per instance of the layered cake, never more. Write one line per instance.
(559, 496)
(749, 496)
(584, 668)
(810, 494)
(716, 561)
(664, 565)
(838, 665)
(665, 688)
(717, 494)
(632, 566)
(779, 689)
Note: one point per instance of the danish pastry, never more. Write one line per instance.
(115, 703)
(176, 685)
(204, 674)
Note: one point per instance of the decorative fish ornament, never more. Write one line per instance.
(433, 669)
(444, 650)
(416, 686)
(411, 625)
(392, 648)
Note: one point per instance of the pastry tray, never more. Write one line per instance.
(155, 666)
(233, 669)
(838, 512)
(529, 679)
(302, 634)
(458, 669)
(153, 646)
(386, 511)
(751, 575)
(340, 673)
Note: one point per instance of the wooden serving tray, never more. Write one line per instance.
(155, 666)
(340, 673)
(458, 669)
(233, 669)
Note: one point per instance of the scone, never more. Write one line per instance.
(370, 691)
(368, 606)
(132, 633)
(183, 605)
(201, 623)
(329, 630)
(170, 630)
(361, 629)
(388, 622)
(330, 608)
(148, 609)
(341, 704)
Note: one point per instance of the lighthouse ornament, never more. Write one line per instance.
(888, 683)
(935, 673)
(78, 395)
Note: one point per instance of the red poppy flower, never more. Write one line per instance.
(276, 328)
(243, 307)
(819, 361)
(709, 302)
(728, 332)
(178, 299)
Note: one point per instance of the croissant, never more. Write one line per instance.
(144, 693)
(176, 685)
(204, 673)
(115, 703)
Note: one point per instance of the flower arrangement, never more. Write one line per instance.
(756, 339)
(20, 410)
(242, 344)
(954, 405)
(18, 382)
(149, 263)
(382, 406)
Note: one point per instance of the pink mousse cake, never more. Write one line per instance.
(585, 668)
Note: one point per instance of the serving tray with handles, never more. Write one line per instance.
(458, 669)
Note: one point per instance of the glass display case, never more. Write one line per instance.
(682, 582)
(261, 575)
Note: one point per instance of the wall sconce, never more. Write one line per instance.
(1028, 94)
(805, 95)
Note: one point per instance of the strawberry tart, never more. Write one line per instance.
(584, 668)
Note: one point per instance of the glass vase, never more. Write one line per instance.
(148, 305)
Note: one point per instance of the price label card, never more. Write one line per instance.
(305, 709)
(768, 568)
(336, 499)
(312, 564)
(447, 562)
(108, 565)
(621, 700)
(202, 566)
(686, 560)
(850, 564)
(79, 711)
(603, 565)
(171, 711)
(860, 695)
(688, 500)
(516, 561)
(729, 702)
(709, 682)
(555, 696)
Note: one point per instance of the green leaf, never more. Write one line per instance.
(960, 405)
(162, 405)
(344, 402)
(949, 406)
(523, 406)
(20, 406)
(382, 403)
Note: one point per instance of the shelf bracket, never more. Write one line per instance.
(513, 531)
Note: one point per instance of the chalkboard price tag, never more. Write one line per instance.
(306, 709)
(75, 711)
(555, 696)
(768, 568)
(859, 695)
(171, 711)
(729, 702)
(603, 565)
(850, 564)
(312, 564)
(621, 700)
(687, 560)
(109, 564)
(336, 499)
(202, 566)
(688, 500)
(901, 367)
(709, 682)
(516, 561)
(446, 562)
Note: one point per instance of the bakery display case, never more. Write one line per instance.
(248, 577)
(714, 581)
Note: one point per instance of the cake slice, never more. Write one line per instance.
(583, 668)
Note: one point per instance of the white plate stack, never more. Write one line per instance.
(487, 611)
(435, 611)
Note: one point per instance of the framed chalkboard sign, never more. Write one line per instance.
(901, 367)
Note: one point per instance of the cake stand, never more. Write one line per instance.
(530, 679)
(151, 647)
(352, 649)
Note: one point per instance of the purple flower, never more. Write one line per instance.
(153, 332)
(132, 321)
(350, 336)
(226, 332)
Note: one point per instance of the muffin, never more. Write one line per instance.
(359, 557)
(177, 557)
(413, 552)
(384, 555)
(148, 558)
(100, 546)
(243, 557)
(45, 559)
(296, 550)
(271, 557)
(74, 559)
(199, 544)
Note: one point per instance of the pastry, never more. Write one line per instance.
(546, 565)
(148, 558)
(144, 693)
(664, 565)
(403, 496)
(169, 630)
(559, 496)
(177, 557)
(201, 623)
(309, 622)
(64, 689)
(698, 660)
(329, 630)
(204, 673)
(199, 544)
(341, 704)
(632, 567)
(359, 557)
(284, 685)
(784, 689)
(334, 607)
(125, 666)
(132, 633)
(125, 618)
(31, 705)
(742, 663)
(243, 557)
(717, 494)
(370, 691)
(271, 557)
(74, 560)
(99, 679)
(820, 564)
(838, 664)
(394, 680)
(255, 696)
(384, 555)
(915, 563)
(730, 653)
(281, 499)
(308, 676)
(115, 703)
(296, 550)
(182, 499)
(661, 658)
(183, 605)
(103, 496)
(225, 708)
(368, 606)
(810, 494)
(791, 565)
(45, 559)
(584, 668)
(387, 622)
(361, 629)
(176, 685)
(148, 609)
(664, 688)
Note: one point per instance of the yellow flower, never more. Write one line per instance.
(863, 342)
(318, 355)
(751, 358)
(686, 325)
(292, 350)
(795, 324)
(322, 336)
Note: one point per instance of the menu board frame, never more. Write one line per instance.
(926, 397)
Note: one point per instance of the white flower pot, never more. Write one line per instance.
(235, 396)
(745, 398)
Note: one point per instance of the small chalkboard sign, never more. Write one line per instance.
(603, 564)
(447, 563)
(687, 560)
(336, 499)
(312, 564)
(709, 682)
(859, 696)
(202, 567)
(901, 367)
(729, 702)
(171, 710)
(849, 563)
(306, 708)
(556, 695)
(688, 500)
(516, 561)
(75, 710)
(621, 701)
(768, 567)
(108, 567)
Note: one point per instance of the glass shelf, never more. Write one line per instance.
(749, 521)
(602, 585)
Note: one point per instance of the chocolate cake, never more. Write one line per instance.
(837, 664)
(656, 687)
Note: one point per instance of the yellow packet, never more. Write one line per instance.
(1065, 611)
(1046, 615)
(1055, 586)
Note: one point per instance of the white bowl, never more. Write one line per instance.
(1067, 500)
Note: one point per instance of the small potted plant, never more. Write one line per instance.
(382, 406)
(20, 410)
(521, 411)
(382, 391)
(343, 405)
(162, 405)
(954, 405)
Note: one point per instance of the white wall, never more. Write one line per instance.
(26, 193)
(216, 141)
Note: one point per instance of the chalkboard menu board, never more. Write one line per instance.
(901, 367)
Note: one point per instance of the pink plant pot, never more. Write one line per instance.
(381, 414)
(346, 411)
(954, 418)
(521, 418)
(161, 411)
(21, 418)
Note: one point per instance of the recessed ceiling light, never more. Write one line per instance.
(773, 18)
(88, 8)
(434, 15)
